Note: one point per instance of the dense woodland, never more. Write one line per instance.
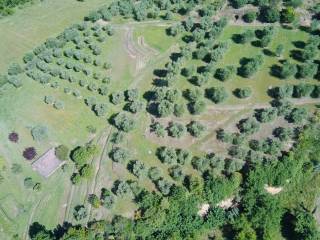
(249, 165)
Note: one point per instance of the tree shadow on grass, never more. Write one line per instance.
(275, 70)
(236, 38)
(268, 52)
(296, 54)
(160, 72)
(299, 44)
(187, 39)
(159, 82)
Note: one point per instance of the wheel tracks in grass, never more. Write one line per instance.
(155, 61)
(78, 188)
(91, 188)
(26, 234)
(297, 102)
(69, 200)
(140, 52)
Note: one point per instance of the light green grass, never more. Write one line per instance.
(155, 36)
(29, 27)
(24, 108)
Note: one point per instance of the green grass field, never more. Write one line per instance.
(44, 19)
(21, 109)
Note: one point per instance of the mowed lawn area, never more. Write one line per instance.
(32, 25)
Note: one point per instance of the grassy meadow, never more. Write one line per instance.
(23, 108)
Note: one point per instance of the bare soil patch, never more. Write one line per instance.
(204, 208)
(272, 190)
(227, 203)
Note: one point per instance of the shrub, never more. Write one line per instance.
(117, 137)
(248, 126)
(251, 66)
(86, 171)
(76, 93)
(247, 36)
(16, 168)
(216, 94)
(15, 69)
(28, 57)
(288, 15)
(164, 186)
(158, 129)
(154, 173)
(62, 152)
(103, 90)
(79, 212)
(200, 163)
(176, 130)
(132, 95)
(249, 17)
(179, 110)
(13, 137)
(197, 107)
(183, 156)
(302, 90)
(119, 155)
(308, 70)
(167, 155)
(288, 70)
(224, 136)
(107, 198)
(226, 73)
(76, 178)
(39, 133)
(284, 134)
(117, 98)
(28, 182)
(165, 108)
(123, 122)
(94, 201)
(100, 109)
(82, 154)
(297, 115)
(176, 173)
(91, 101)
(266, 115)
(269, 14)
(284, 91)
(15, 81)
(135, 106)
(279, 50)
(121, 188)
(243, 92)
(194, 94)
(195, 128)
(58, 104)
(29, 153)
(138, 168)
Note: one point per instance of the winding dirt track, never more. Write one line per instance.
(140, 52)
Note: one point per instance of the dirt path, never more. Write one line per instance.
(139, 51)
(297, 102)
(68, 202)
(74, 189)
(93, 186)
(33, 211)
